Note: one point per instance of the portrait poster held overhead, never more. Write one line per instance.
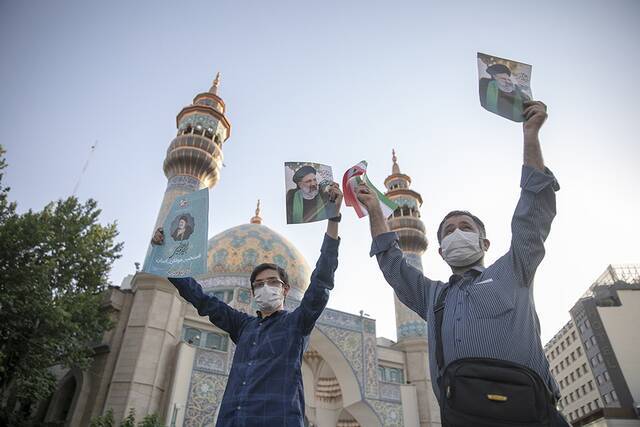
(307, 186)
(504, 86)
(184, 252)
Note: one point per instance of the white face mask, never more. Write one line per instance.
(268, 298)
(461, 248)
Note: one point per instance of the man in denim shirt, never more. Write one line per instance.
(265, 388)
(489, 312)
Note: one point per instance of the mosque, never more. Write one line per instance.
(162, 357)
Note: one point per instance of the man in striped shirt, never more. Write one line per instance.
(489, 312)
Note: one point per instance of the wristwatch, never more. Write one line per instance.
(336, 218)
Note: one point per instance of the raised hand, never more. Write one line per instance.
(367, 197)
(158, 237)
(335, 195)
(535, 114)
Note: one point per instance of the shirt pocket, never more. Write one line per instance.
(488, 301)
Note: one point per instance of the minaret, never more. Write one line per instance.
(411, 328)
(194, 157)
(141, 373)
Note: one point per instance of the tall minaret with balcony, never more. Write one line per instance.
(147, 346)
(411, 328)
(194, 157)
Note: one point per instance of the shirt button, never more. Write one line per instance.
(250, 363)
(458, 319)
(239, 407)
(459, 340)
(244, 383)
(254, 343)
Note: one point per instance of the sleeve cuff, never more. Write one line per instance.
(535, 180)
(329, 244)
(382, 242)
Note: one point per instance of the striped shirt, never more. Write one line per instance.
(265, 388)
(489, 312)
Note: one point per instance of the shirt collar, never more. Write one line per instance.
(274, 314)
(474, 271)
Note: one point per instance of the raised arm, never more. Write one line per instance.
(322, 279)
(535, 114)
(536, 208)
(224, 317)
(408, 282)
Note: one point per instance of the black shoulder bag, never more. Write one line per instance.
(482, 392)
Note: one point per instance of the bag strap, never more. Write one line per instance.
(438, 311)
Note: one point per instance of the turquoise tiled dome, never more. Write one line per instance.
(239, 249)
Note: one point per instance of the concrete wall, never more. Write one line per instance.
(621, 325)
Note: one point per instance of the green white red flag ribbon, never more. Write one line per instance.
(353, 177)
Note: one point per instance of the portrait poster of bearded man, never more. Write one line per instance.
(504, 86)
(307, 195)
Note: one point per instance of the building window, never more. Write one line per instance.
(590, 384)
(391, 375)
(606, 376)
(614, 396)
(599, 357)
(204, 339)
(579, 351)
(192, 336)
(225, 295)
(606, 399)
(596, 403)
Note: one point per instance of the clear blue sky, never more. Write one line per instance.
(333, 82)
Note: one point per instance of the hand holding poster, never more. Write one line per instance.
(180, 248)
(350, 181)
(307, 186)
(504, 86)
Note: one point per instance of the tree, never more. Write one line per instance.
(53, 276)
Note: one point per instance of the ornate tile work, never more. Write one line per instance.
(244, 296)
(205, 394)
(239, 249)
(183, 182)
(369, 326)
(389, 413)
(413, 329)
(390, 391)
(211, 361)
(371, 368)
(203, 120)
(340, 319)
(350, 344)
(405, 201)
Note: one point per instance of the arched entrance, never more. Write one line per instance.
(333, 394)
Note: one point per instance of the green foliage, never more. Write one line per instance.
(105, 420)
(130, 420)
(53, 274)
(151, 420)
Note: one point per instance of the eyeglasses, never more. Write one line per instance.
(273, 282)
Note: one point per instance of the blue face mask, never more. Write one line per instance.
(461, 248)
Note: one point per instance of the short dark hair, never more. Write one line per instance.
(479, 223)
(269, 266)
